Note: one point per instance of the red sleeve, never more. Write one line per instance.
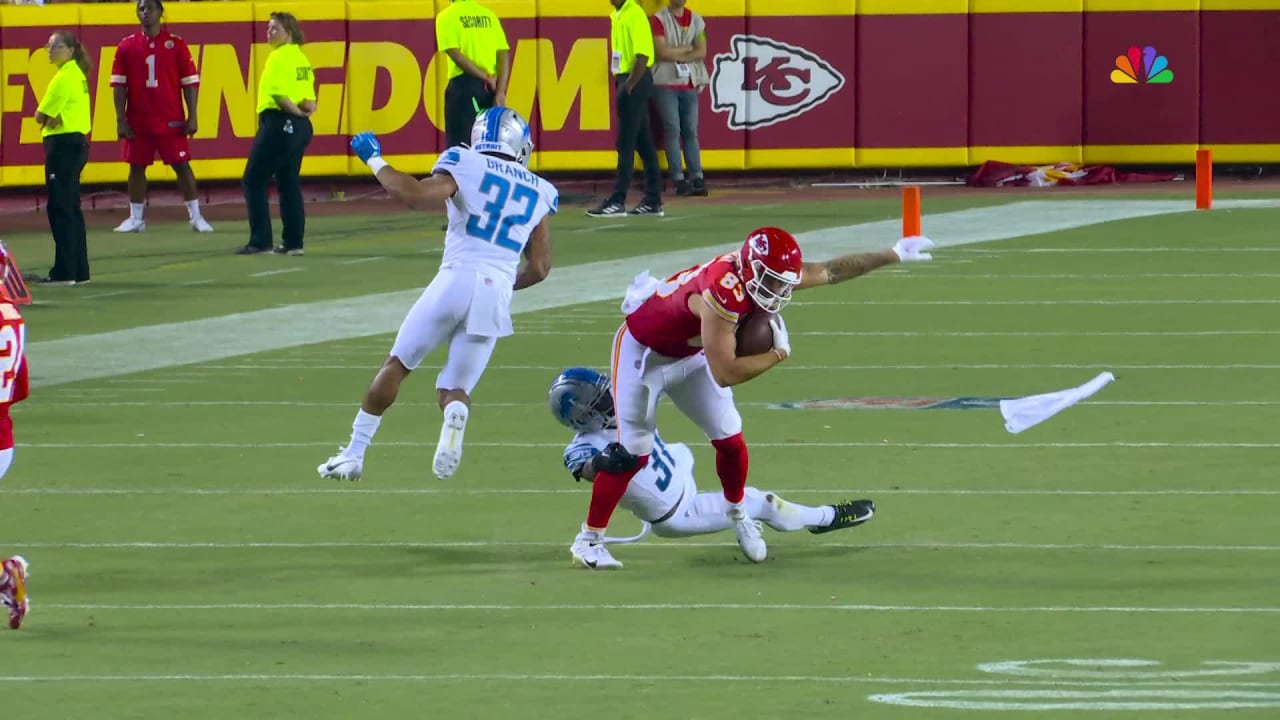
(119, 67)
(656, 24)
(21, 384)
(187, 73)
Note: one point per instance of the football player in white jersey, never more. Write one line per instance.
(663, 494)
(498, 241)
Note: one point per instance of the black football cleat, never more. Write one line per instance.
(848, 514)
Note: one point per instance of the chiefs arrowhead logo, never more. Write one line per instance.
(764, 81)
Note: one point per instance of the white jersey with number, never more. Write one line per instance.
(659, 486)
(497, 206)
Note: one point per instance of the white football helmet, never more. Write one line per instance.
(501, 130)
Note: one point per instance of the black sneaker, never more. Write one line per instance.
(698, 188)
(282, 250)
(848, 514)
(608, 208)
(252, 250)
(647, 208)
(683, 188)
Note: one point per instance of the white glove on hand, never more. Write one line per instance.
(781, 341)
(910, 249)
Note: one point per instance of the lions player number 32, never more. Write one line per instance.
(493, 226)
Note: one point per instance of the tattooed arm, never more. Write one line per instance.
(843, 268)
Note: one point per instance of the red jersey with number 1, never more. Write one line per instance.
(13, 368)
(154, 70)
(666, 325)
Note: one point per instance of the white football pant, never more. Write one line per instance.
(641, 377)
(466, 308)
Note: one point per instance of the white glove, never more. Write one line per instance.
(781, 341)
(909, 249)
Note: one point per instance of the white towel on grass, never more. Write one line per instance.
(1022, 413)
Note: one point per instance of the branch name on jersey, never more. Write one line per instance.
(660, 485)
(498, 204)
(154, 71)
(665, 324)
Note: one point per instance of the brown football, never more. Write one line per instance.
(754, 334)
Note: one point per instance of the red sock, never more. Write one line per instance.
(606, 490)
(731, 466)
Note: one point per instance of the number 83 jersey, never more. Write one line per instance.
(498, 204)
(666, 325)
(660, 485)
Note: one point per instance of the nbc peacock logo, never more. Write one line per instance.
(1142, 65)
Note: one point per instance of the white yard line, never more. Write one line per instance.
(466, 491)
(894, 303)
(63, 361)
(663, 607)
(409, 545)
(292, 364)
(200, 404)
(575, 678)
(793, 445)
(358, 261)
(281, 271)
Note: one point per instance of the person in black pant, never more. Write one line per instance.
(286, 100)
(63, 114)
(632, 56)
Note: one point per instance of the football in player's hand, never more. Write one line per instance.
(754, 334)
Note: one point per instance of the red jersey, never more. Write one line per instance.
(666, 325)
(154, 69)
(13, 368)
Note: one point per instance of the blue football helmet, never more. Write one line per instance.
(580, 399)
(501, 130)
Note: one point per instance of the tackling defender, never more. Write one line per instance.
(663, 494)
(499, 212)
(678, 339)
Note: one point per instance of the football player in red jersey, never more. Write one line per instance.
(152, 75)
(679, 339)
(13, 389)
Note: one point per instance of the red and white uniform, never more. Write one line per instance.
(13, 375)
(659, 351)
(155, 70)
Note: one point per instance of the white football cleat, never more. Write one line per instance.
(131, 224)
(199, 224)
(590, 553)
(449, 449)
(749, 534)
(342, 467)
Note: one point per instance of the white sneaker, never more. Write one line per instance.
(342, 467)
(449, 449)
(199, 224)
(590, 553)
(131, 224)
(748, 532)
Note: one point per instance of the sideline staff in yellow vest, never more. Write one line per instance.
(286, 100)
(63, 114)
(631, 56)
(471, 35)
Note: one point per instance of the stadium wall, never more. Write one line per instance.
(796, 84)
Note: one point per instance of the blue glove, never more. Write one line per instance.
(366, 146)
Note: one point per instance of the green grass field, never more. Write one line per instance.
(187, 562)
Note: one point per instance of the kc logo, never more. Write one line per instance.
(764, 81)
